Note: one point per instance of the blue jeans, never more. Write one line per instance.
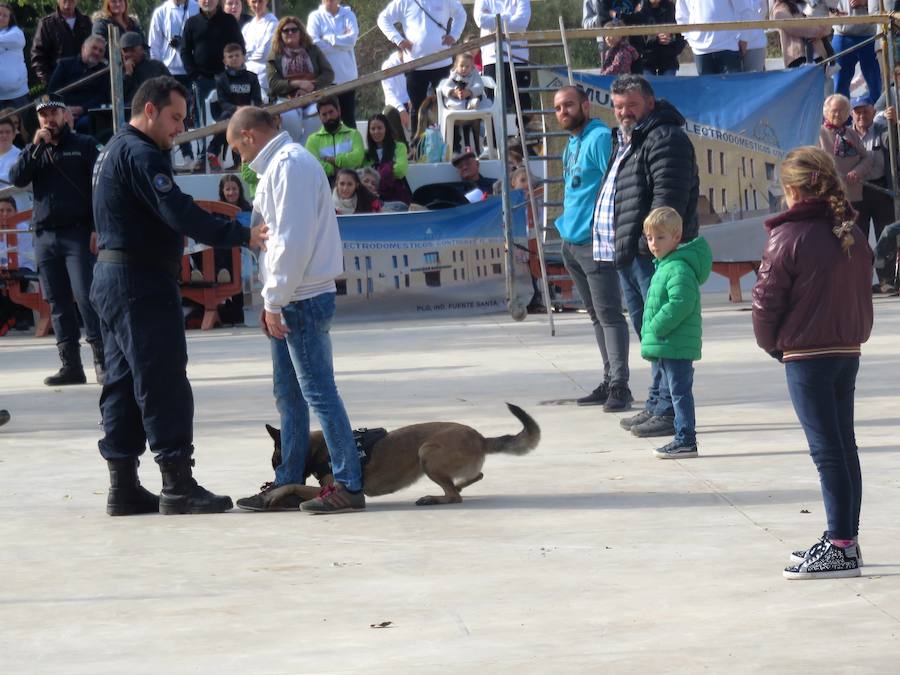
(822, 393)
(679, 375)
(717, 63)
(303, 377)
(635, 281)
(66, 269)
(868, 64)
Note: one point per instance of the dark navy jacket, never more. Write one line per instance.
(139, 209)
(203, 41)
(60, 177)
(91, 94)
(236, 89)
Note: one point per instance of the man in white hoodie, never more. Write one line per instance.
(258, 33)
(334, 29)
(715, 52)
(302, 258)
(428, 26)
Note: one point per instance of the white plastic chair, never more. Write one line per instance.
(207, 107)
(447, 119)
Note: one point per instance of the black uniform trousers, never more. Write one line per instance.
(523, 79)
(147, 397)
(65, 267)
(417, 82)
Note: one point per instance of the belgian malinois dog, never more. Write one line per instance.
(448, 453)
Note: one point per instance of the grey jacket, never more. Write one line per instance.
(843, 6)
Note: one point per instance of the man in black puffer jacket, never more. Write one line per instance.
(654, 165)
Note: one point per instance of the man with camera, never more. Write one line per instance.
(428, 26)
(164, 38)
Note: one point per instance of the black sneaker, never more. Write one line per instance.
(596, 397)
(676, 450)
(630, 422)
(656, 426)
(798, 557)
(619, 399)
(272, 497)
(827, 562)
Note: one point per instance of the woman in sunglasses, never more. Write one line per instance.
(295, 68)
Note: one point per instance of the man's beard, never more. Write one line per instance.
(576, 122)
(627, 127)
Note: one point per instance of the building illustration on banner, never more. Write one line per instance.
(444, 261)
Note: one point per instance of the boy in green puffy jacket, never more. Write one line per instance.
(671, 332)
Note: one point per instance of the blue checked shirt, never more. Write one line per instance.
(604, 229)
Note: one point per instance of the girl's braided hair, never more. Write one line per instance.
(812, 172)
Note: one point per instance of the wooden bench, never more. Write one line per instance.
(733, 271)
(13, 275)
(208, 293)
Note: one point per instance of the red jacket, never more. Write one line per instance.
(811, 299)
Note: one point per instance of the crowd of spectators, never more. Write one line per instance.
(291, 58)
(243, 54)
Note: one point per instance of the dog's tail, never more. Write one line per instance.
(523, 442)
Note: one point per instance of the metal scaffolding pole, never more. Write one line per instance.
(117, 87)
(887, 58)
(516, 310)
(532, 202)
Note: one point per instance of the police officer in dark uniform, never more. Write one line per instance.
(58, 164)
(142, 218)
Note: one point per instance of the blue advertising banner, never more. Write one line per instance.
(772, 111)
(742, 125)
(426, 263)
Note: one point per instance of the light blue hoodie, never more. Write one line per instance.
(584, 164)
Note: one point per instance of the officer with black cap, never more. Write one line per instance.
(142, 218)
(58, 166)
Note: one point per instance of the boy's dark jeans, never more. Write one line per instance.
(822, 391)
(679, 374)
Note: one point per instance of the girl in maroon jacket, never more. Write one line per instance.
(812, 309)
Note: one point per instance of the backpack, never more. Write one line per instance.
(433, 146)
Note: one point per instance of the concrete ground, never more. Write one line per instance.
(587, 555)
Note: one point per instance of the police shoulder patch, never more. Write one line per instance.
(162, 182)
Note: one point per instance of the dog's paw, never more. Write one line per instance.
(428, 500)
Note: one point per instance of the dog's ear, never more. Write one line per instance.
(274, 433)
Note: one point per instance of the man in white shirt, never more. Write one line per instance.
(428, 26)
(164, 36)
(258, 33)
(335, 30)
(164, 39)
(715, 52)
(303, 257)
(515, 14)
(394, 88)
(753, 42)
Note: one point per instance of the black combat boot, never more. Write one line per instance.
(99, 361)
(181, 494)
(71, 371)
(127, 497)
